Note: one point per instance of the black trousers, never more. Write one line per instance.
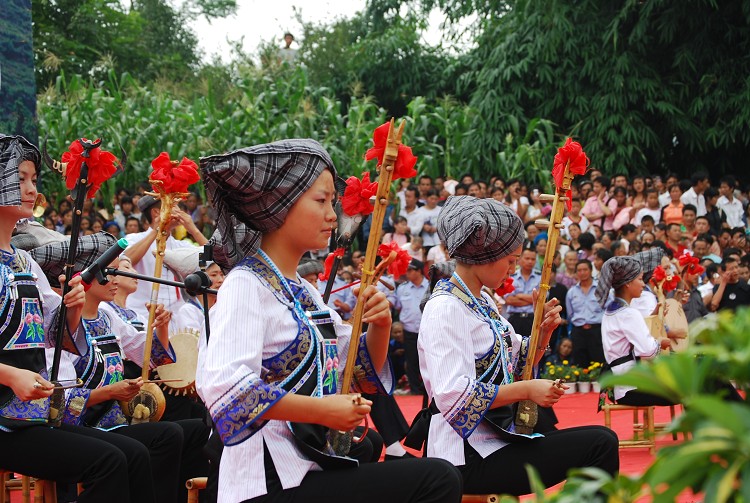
(587, 345)
(408, 480)
(77, 454)
(412, 364)
(504, 470)
(522, 322)
(387, 417)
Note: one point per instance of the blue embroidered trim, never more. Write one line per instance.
(161, 355)
(34, 410)
(75, 405)
(366, 380)
(240, 410)
(128, 316)
(114, 418)
(476, 406)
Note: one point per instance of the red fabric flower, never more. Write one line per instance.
(174, 177)
(338, 252)
(405, 161)
(506, 287)
(102, 165)
(399, 266)
(691, 264)
(357, 195)
(669, 281)
(572, 155)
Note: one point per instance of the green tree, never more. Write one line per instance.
(647, 85)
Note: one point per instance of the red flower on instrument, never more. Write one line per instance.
(338, 252)
(506, 288)
(174, 177)
(691, 264)
(670, 281)
(102, 165)
(404, 166)
(571, 155)
(398, 267)
(357, 195)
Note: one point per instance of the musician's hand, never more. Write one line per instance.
(161, 315)
(180, 217)
(552, 310)
(665, 342)
(125, 389)
(345, 412)
(28, 385)
(377, 307)
(76, 297)
(544, 392)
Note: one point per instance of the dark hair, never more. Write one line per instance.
(689, 207)
(704, 237)
(647, 218)
(685, 185)
(729, 180)
(571, 224)
(738, 230)
(425, 176)
(126, 200)
(586, 240)
(661, 226)
(603, 181)
(650, 191)
(412, 188)
(730, 251)
(710, 192)
(670, 225)
(627, 228)
(729, 260)
(620, 190)
(432, 192)
(616, 245)
(697, 177)
(585, 262)
(604, 254)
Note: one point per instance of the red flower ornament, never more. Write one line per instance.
(669, 281)
(506, 288)
(572, 155)
(356, 199)
(338, 252)
(102, 165)
(174, 177)
(398, 267)
(691, 264)
(404, 166)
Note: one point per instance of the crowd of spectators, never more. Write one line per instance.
(610, 216)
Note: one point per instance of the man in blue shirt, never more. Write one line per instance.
(520, 306)
(585, 316)
(408, 295)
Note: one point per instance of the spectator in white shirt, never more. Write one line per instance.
(410, 210)
(694, 195)
(730, 205)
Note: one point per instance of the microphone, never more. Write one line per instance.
(94, 271)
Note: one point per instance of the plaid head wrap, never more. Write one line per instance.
(650, 259)
(13, 151)
(615, 273)
(478, 231)
(253, 189)
(52, 256)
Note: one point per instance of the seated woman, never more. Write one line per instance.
(27, 444)
(625, 335)
(471, 360)
(275, 350)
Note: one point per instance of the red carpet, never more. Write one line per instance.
(572, 410)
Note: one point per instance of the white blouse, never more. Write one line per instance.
(451, 338)
(248, 325)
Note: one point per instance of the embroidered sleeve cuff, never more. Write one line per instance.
(366, 379)
(520, 360)
(237, 415)
(469, 412)
(161, 355)
(75, 405)
(72, 342)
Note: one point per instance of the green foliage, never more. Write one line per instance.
(17, 87)
(646, 85)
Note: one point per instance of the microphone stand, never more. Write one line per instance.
(189, 288)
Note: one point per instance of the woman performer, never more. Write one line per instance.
(625, 335)
(27, 445)
(485, 238)
(274, 203)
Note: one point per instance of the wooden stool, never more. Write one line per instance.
(645, 429)
(7, 484)
(194, 487)
(480, 498)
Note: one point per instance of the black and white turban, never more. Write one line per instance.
(13, 151)
(650, 259)
(478, 231)
(53, 256)
(253, 189)
(616, 272)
